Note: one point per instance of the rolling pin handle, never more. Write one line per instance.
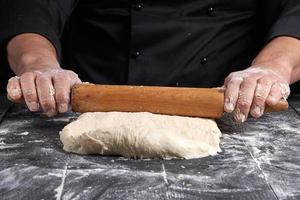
(280, 106)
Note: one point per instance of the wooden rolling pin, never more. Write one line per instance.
(196, 102)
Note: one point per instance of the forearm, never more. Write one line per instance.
(40, 82)
(29, 52)
(266, 81)
(282, 55)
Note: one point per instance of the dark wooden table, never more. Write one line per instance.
(260, 160)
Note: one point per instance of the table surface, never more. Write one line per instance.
(259, 160)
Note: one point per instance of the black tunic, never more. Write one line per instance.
(153, 42)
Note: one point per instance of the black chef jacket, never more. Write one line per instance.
(153, 42)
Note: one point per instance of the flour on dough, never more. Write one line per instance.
(141, 135)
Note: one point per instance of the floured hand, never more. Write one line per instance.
(248, 91)
(46, 89)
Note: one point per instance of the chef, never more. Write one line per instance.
(249, 47)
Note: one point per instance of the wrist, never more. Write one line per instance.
(29, 52)
(281, 55)
(282, 68)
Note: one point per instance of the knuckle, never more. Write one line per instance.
(229, 82)
(238, 78)
(28, 92)
(234, 81)
(75, 75)
(260, 95)
(261, 73)
(231, 96)
(46, 104)
(60, 73)
(26, 77)
(259, 100)
(26, 74)
(250, 80)
(226, 81)
(231, 93)
(67, 71)
(276, 89)
(62, 98)
(77, 80)
(30, 96)
(243, 101)
(242, 95)
(244, 104)
(265, 80)
(41, 77)
(232, 74)
(60, 77)
(72, 74)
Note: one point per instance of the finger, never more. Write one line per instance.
(261, 93)
(61, 83)
(74, 78)
(27, 82)
(45, 92)
(245, 98)
(231, 76)
(14, 92)
(275, 94)
(231, 94)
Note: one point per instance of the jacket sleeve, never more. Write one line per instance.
(44, 17)
(287, 22)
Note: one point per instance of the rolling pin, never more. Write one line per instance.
(194, 102)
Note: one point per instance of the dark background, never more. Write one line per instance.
(6, 73)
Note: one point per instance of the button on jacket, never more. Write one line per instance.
(150, 42)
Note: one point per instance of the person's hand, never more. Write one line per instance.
(47, 90)
(40, 81)
(249, 91)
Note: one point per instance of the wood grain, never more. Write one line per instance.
(194, 102)
(162, 100)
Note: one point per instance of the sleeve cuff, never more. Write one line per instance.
(288, 26)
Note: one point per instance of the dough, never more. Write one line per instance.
(141, 135)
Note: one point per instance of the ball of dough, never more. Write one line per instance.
(141, 135)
